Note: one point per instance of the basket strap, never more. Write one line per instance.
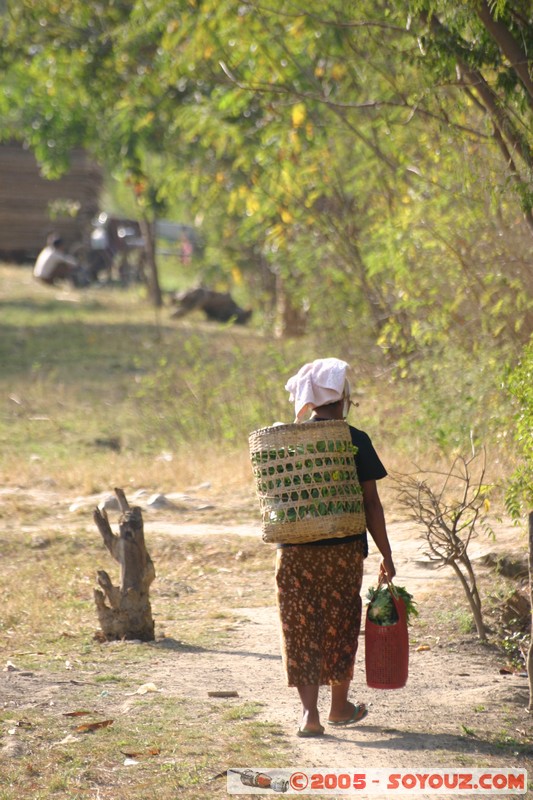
(384, 578)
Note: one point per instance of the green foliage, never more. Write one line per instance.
(459, 397)
(381, 608)
(520, 386)
(337, 151)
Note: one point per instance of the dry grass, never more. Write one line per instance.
(98, 391)
(72, 367)
(179, 743)
(96, 387)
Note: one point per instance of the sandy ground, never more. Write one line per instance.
(454, 686)
(455, 708)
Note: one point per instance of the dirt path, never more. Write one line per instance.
(457, 709)
(455, 703)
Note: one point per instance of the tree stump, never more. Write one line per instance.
(127, 614)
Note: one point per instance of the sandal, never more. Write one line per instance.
(360, 711)
(309, 733)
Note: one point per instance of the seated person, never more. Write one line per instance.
(54, 264)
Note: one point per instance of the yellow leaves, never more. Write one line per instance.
(235, 198)
(338, 72)
(208, 51)
(285, 178)
(252, 205)
(416, 329)
(296, 27)
(295, 142)
(220, 177)
(276, 236)
(232, 202)
(236, 274)
(299, 114)
(286, 216)
(310, 199)
(243, 197)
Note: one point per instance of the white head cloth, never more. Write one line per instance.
(316, 384)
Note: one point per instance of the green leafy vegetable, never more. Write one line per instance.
(381, 608)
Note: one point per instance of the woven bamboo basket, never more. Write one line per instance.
(306, 482)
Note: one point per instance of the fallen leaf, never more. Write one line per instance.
(150, 751)
(76, 713)
(422, 648)
(223, 694)
(88, 727)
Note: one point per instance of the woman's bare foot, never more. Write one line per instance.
(310, 724)
(348, 715)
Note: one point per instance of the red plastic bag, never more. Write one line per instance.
(387, 650)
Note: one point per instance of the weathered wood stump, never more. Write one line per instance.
(127, 614)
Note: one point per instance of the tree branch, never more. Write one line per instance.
(509, 46)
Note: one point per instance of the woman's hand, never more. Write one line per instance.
(387, 570)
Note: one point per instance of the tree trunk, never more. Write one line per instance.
(510, 46)
(127, 613)
(147, 230)
(530, 653)
(290, 321)
(508, 135)
(471, 596)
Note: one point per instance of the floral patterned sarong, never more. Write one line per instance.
(319, 602)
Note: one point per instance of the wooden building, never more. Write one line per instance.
(31, 206)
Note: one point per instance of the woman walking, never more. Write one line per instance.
(319, 583)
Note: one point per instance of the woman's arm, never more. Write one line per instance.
(375, 522)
